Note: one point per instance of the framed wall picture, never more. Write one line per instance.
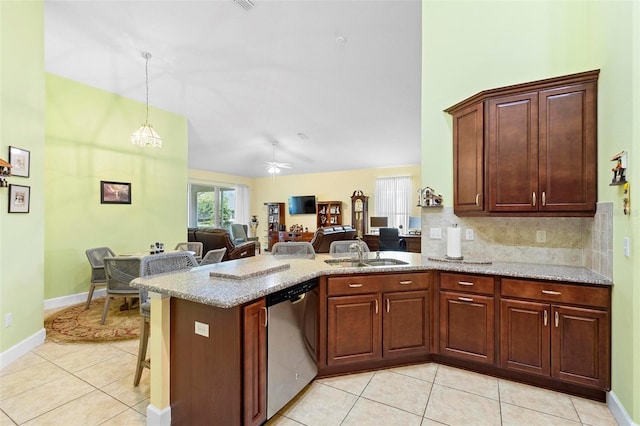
(115, 192)
(20, 160)
(19, 198)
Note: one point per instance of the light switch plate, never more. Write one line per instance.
(541, 236)
(468, 234)
(202, 329)
(626, 246)
(435, 233)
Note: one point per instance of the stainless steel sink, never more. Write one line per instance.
(349, 263)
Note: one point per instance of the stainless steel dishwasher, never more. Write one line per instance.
(292, 339)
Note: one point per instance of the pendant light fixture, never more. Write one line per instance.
(145, 135)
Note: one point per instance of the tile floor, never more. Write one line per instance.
(91, 384)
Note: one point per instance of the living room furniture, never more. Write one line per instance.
(359, 212)
(239, 235)
(215, 238)
(390, 240)
(323, 237)
(96, 256)
(119, 271)
(275, 222)
(329, 213)
(286, 236)
(414, 242)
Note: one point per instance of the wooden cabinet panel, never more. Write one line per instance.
(580, 342)
(467, 328)
(255, 364)
(406, 323)
(525, 336)
(468, 154)
(353, 329)
(556, 293)
(405, 282)
(355, 284)
(467, 283)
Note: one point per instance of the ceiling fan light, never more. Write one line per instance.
(273, 170)
(146, 136)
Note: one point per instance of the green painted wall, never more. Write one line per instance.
(22, 91)
(473, 46)
(87, 140)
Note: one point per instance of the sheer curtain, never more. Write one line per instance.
(243, 204)
(393, 195)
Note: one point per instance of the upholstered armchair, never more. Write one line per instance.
(215, 238)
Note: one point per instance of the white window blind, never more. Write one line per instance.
(393, 195)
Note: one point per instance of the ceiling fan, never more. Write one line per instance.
(273, 166)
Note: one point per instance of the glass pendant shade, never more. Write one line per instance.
(145, 135)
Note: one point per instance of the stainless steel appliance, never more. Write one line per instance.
(291, 343)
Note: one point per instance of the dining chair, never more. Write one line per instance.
(300, 249)
(344, 246)
(152, 265)
(194, 246)
(119, 272)
(213, 256)
(96, 256)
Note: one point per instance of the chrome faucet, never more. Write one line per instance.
(358, 247)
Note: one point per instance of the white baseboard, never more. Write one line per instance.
(72, 299)
(22, 348)
(618, 410)
(158, 417)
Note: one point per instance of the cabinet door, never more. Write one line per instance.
(467, 326)
(255, 364)
(567, 140)
(580, 346)
(405, 326)
(468, 159)
(512, 151)
(353, 329)
(525, 336)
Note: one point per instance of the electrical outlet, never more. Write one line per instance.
(202, 329)
(541, 236)
(8, 320)
(468, 234)
(435, 233)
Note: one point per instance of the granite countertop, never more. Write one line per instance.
(233, 283)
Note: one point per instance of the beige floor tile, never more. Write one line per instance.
(371, 413)
(513, 415)
(30, 378)
(130, 345)
(546, 401)
(593, 413)
(141, 407)
(352, 383)
(128, 418)
(110, 370)
(27, 360)
(467, 381)
(279, 420)
(86, 356)
(455, 407)
(90, 409)
(399, 391)
(35, 402)
(320, 405)
(5, 420)
(51, 350)
(426, 372)
(124, 391)
(429, 422)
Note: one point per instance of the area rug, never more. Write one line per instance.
(74, 324)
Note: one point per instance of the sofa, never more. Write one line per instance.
(215, 238)
(323, 237)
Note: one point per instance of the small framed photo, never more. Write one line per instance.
(19, 198)
(115, 192)
(20, 161)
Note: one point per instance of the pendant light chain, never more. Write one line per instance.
(145, 135)
(146, 72)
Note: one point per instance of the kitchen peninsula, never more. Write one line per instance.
(542, 324)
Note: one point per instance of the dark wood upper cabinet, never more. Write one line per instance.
(528, 149)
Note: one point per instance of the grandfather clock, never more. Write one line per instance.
(359, 208)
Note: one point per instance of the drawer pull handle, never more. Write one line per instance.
(551, 292)
(376, 306)
(477, 200)
(467, 283)
(388, 305)
(266, 316)
(357, 285)
(465, 299)
(545, 318)
(544, 199)
(557, 318)
(534, 199)
(405, 282)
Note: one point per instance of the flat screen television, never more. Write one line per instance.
(303, 204)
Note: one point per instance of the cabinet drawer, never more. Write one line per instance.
(406, 282)
(467, 283)
(556, 293)
(356, 284)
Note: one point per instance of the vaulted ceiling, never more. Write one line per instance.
(335, 83)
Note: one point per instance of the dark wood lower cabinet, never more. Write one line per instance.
(255, 364)
(406, 322)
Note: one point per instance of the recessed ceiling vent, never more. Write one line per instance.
(245, 4)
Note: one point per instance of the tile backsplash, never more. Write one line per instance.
(574, 241)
